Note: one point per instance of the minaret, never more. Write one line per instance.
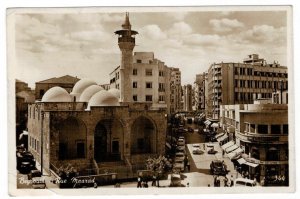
(126, 42)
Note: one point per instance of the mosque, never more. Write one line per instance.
(94, 130)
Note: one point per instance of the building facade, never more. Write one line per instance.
(67, 82)
(24, 95)
(261, 130)
(95, 134)
(199, 92)
(242, 83)
(176, 91)
(187, 98)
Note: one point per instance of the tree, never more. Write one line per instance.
(159, 165)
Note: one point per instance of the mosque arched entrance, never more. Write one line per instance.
(108, 140)
(143, 136)
(72, 139)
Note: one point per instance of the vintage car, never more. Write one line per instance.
(218, 167)
(197, 151)
(34, 173)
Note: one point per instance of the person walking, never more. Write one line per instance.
(188, 166)
(231, 181)
(139, 182)
(153, 181)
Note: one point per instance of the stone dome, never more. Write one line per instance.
(115, 92)
(89, 92)
(103, 98)
(56, 94)
(80, 86)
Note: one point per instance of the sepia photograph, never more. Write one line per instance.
(150, 100)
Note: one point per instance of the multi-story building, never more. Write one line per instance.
(187, 97)
(24, 96)
(175, 87)
(261, 130)
(199, 92)
(140, 77)
(242, 83)
(67, 82)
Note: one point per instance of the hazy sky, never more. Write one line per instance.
(84, 45)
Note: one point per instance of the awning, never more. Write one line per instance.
(235, 153)
(231, 148)
(215, 125)
(241, 161)
(220, 139)
(168, 145)
(251, 164)
(207, 122)
(230, 129)
(219, 135)
(228, 144)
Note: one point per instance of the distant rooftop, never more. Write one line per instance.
(67, 79)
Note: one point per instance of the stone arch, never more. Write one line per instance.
(72, 139)
(109, 140)
(143, 135)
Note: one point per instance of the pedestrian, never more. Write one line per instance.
(231, 181)
(146, 184)
(223, 153)
(139, 182)
(153, 181)
(215, 181)
(225, 181)
(188, 166)
(188, 184)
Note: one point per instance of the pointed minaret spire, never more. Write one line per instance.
(126, 25)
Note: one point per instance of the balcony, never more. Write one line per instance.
(262, 138)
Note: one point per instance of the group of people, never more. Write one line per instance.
(226, 182)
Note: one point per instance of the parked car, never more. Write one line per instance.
(25, 157)
(178, 165)
(212, 151)
(218, 167)
(175, 180)
(244, 182)
(190, 130)
(34, 173)
(196, 145)
(180, 149)
(197, 151)
(180, 142)
(179, 156)
(38, 183)
(181, 130)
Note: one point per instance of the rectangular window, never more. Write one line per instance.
(139, 61)
(161, 73)
(161, 87)
(262, 129)
(252, 128)
(275, 129)
(134, 84)
(134, 97)
(161, 98)
(148, 84)
(134, 71)
(148, 72)
(148, 98)
(286, 129)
